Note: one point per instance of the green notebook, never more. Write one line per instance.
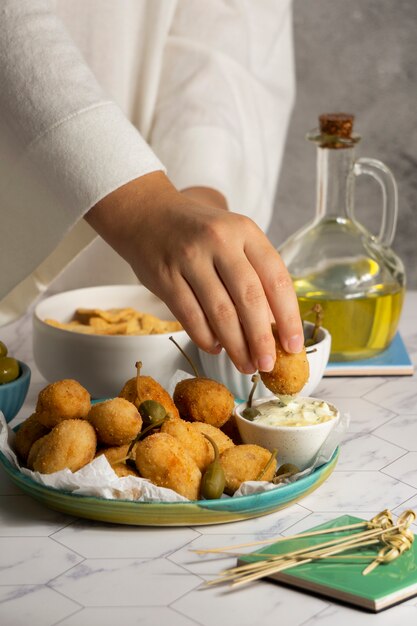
(385, 586)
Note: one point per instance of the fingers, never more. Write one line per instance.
(220, 310)
(279, 290)
(248, 296)
(182, 302)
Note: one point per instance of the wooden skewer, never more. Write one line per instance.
(273, 568)
(397, 539)
(287, 560)
(251, 571)
(384, 518)
(279, 539)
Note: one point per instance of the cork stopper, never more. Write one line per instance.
(338, 124)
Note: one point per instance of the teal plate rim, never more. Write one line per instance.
(285, 493)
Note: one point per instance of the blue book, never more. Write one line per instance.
(395, 361)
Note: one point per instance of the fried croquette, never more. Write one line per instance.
(219, 437)
(118, 454)
(150, 389)
(117, 457)
(203, 400)
(197, 446)
(245, 462)
(71, 444)
(290, 372)
(34, 451)
(166, 463)
(116, 421)
(63, 400)
(30, 431)
(122, 470)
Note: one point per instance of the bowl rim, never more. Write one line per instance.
(99, 337)
(268, 427)
(322, 329)
(25, 372)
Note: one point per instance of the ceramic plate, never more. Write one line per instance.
(171, 514)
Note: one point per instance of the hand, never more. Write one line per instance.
(215, 270)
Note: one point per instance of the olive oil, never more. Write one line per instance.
(360, 327)
(335, 261)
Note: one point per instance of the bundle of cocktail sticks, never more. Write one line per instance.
(348, 543)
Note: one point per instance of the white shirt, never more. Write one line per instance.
(95, 93)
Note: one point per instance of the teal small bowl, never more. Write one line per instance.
(13, 394)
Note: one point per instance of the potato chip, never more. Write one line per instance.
(125, 321)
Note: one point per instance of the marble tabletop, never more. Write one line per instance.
(55, 569)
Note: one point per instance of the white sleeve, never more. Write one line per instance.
(225, 98)
(63, 144)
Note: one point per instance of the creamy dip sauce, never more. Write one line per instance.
(290, 411)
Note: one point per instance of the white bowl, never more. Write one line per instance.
(221, 368)
(295, 444)
(103, 363)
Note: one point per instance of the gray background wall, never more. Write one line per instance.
(357, 56)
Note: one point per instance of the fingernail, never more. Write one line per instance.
(295, 343)
(216, 349)
(266, 363)
(248, 368)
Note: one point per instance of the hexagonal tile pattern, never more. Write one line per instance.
(341, 387)
(125, 582)
(21, 605)
(23, 516)
(405, 469)
(396, 395)
(401, 430)
(142, 616)
(104, 541)
(358, 491)
(264, 603)
(315, 519)
(207, 565)
(364, 416)
(366, 452)
(29, 561)
(272, 524)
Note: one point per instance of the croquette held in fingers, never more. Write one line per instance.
(204, 400)
(165, 462)
(246, 462)
(71, 444)
(116, 421)
(62, 400)
(290, 372)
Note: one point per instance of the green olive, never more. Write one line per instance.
(287, 468)
(214, 480)
(152, 411)
(3, 350)
(250, 413)
(9, 369)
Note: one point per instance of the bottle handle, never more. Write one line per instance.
(383, 175)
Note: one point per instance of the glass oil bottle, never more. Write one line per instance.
(336, 262)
